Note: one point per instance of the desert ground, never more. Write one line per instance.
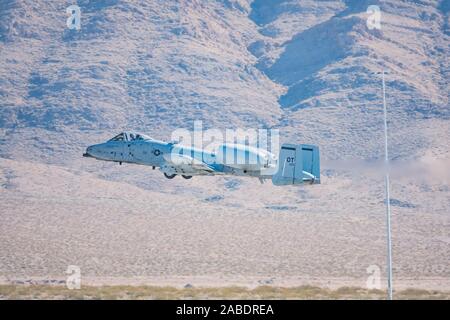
(211, 232)
(262, 292)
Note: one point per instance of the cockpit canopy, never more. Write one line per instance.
(130, 136)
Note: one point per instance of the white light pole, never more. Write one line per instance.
(388, 199)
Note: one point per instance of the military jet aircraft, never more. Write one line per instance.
(296, 164)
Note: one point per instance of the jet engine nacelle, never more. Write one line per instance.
(297, 164)
(243, 157)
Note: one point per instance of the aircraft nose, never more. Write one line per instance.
(88, 152)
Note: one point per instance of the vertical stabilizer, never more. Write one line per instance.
(297, 164)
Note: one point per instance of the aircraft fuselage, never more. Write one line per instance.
(296, 164)
(234, 159)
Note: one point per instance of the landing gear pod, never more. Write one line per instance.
(297, 164)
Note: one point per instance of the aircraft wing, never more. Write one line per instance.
(183, 164)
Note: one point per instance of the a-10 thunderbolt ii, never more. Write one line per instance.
(296, 163)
